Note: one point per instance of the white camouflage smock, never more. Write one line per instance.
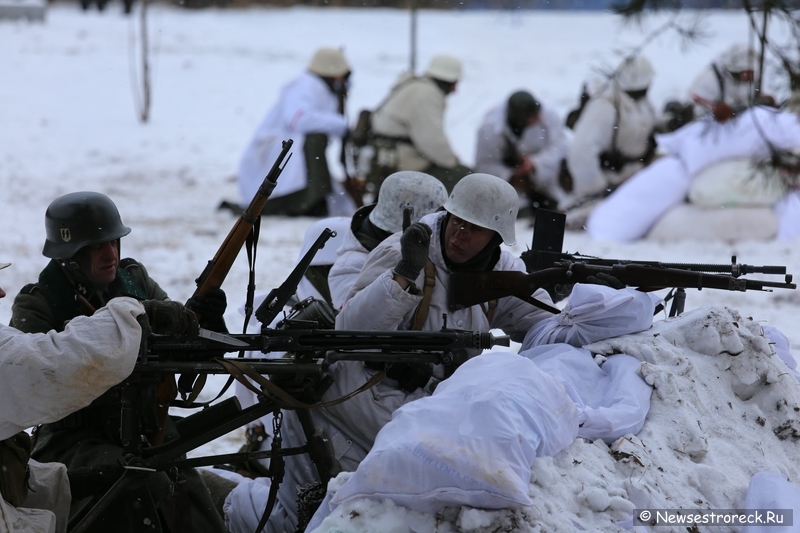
(545, 142)
(46, 376)
(609, 112)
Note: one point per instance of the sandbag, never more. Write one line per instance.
(691, 222)
(734, 183)
(472, 442)
(704, 143)
(612, 400)
(632, 210)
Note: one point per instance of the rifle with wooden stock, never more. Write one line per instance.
(549, 267)
(217, 268)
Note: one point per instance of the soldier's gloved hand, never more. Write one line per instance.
(171, 318)
(722, 112)
(210, 306)
(605, 279)
(414, 249)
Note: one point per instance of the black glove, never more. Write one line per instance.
(605, 279)
(210, 306)
(170, 318)
(414, 247)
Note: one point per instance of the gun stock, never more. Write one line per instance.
(217, 269)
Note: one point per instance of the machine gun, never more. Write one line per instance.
(295, 382)
(548, 267)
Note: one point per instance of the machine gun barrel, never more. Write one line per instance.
(318, 340)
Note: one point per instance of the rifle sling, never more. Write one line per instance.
(240, 371)
(540, 304)
(421, 312)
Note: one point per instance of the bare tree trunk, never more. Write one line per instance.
(762, 37)
(413, 53)
(145, 110)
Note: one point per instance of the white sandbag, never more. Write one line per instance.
(771, 490)
(706, 142)
(595, 312)
(612, 400)
(472, 442)
(631, 210)
(691, 222)
(735, 183)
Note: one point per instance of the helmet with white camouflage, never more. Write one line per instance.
(739, 58)
(329, 63)
(445, 68)
(486, 201)
(79, 219)
(634, 74)
(420, 192)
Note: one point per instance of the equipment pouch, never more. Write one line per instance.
(361, 133)
(14, 472)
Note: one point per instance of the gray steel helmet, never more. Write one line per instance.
(486, 201)
(421, 192)
(79, 219)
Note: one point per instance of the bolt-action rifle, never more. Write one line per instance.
(547, 267)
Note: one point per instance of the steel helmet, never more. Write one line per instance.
(79, 219)
(739, 58)
(445, 68)
(486, 201)
(634, 74)
(329, 63)
(407, 189)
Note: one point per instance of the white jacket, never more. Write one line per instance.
(594, 134)
(351, 258)
(545, 143)
(305, 105)
(46, 376)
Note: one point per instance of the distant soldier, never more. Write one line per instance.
(307, 111)
(727, 85)
(614, 133)
(421, 193)
(408, 128)
(724, 89)
(524, 143)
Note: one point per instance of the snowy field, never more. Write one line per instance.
(69, 123)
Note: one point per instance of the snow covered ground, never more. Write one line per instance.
(69, 123)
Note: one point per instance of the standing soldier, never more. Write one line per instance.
(524, 143)
(85, 273)
(307, 111)
(408, 128)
